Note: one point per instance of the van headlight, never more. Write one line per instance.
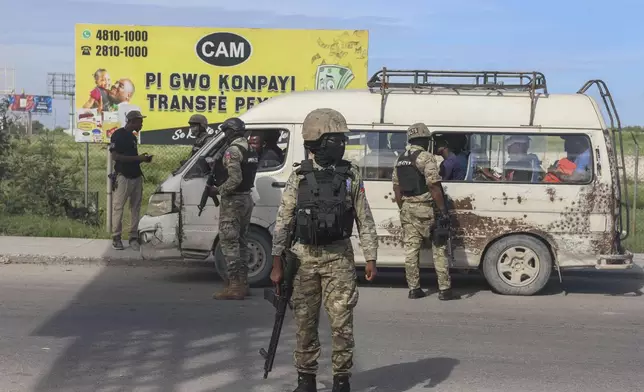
(162, 203)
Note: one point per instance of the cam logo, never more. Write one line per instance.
(86, 50)
(223, 49)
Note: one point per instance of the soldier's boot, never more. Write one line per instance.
(246, 286)
(447, 295)
(306, 383)
(341, 383)
(416, 294)
(233, 291)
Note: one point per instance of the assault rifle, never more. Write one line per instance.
(211, 182)
(206, 193)
(279, 299)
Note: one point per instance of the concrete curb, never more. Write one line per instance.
(101, 261)
(634, 273)
(78, 251)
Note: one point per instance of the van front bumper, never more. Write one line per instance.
(159, 232)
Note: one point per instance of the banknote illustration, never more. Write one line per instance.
(333, 77)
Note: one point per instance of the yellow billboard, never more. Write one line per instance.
(170, 73)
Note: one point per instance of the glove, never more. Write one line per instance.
(213, 191)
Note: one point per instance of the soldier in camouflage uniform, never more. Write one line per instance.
(199, 128)
(416, 184)
(323, 247)
(234, 179)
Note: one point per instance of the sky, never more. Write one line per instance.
(570, 41)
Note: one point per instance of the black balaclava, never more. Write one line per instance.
(421, 142)
(329, 150)
(197, 130)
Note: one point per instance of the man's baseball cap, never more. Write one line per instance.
(134, 114)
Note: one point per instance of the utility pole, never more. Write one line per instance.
(7, 80)
(63, 85)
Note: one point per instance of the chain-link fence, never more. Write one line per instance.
(49, 188)
(166, 159)
(52, 167)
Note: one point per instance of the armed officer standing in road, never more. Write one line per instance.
(199, 129)
(234, 179)
(321, 200)
(416, 183)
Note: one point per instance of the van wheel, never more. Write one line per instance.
(261, 261)
(517, 265)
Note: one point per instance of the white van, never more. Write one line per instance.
(515, 228)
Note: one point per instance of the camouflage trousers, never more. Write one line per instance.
(234, 219)
(326, 274)
(416, 220)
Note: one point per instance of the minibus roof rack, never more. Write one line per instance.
(386, 81)
(413, 79)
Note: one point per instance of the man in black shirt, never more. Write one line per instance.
(129, 181)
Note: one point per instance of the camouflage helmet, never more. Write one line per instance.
(418, 130)
(323, 121)
(198, 119)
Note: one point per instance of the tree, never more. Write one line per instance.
(6, 122)
(37, 128)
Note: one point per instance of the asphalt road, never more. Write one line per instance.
(90, 328)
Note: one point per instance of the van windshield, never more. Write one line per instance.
(212, 146)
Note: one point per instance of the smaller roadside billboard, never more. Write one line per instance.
(30, 103)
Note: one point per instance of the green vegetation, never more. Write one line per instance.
(37, 174)
(71, 157)
(635, 240)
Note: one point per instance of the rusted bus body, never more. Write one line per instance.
(516, 231)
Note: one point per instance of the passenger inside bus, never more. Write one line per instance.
(398, 142)
(379, 161)
(522, 165)
(451, 148)
(576, 166)
(265, 143)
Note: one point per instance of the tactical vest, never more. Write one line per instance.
(249, 164)
(412, 181)
(323, 214)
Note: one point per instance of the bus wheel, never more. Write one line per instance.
(517, 265)
(261, 261)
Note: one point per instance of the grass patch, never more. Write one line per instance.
(166, 159)
(635, 241)
(42, 226)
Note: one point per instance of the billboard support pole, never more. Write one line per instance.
(86, 175)
(109, 193)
